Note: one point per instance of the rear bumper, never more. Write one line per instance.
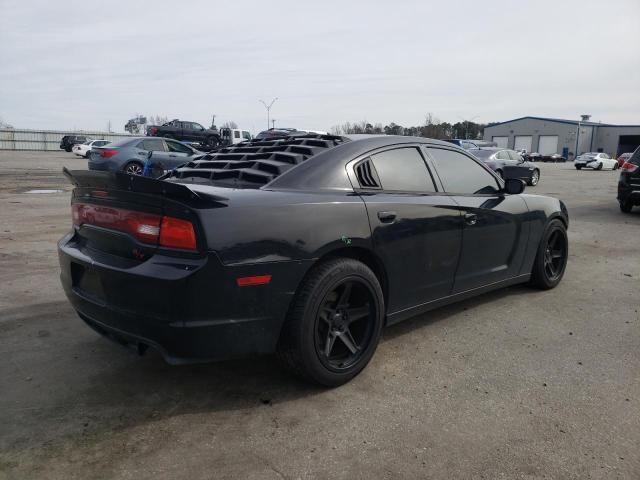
(190, 310)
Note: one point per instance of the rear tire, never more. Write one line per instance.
(535, 178)
(332, 329)
(551, 258)
(211, 142)
(578, 167)
(133, 168)
(599, 167)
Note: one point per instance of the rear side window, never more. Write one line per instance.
(403, 170)
(236, 134)
(152, 145)
(460, 174)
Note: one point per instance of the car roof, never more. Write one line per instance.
(488, 149)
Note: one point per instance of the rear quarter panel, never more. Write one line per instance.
(257, 226)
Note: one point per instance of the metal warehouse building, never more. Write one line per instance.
(552, 135)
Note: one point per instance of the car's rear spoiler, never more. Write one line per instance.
(136, 183)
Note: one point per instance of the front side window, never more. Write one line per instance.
(177, 147)
(503, 155)
(197, 126)
(515, 156)
(460, 174)
(246, 135)
(403, 170)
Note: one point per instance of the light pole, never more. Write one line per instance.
(575, 155)
(268, 107)
(273, 123)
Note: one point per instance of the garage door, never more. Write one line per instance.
(522, 142)
(503, 142)
(548, 144)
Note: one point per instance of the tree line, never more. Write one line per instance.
(432, 128)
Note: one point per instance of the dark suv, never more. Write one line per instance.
(68, 141)
(629, 183)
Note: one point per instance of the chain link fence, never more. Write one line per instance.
(46, 140)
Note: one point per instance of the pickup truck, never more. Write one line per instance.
(191, 132)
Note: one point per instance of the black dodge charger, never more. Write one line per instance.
(306, 246)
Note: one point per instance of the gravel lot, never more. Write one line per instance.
(514, 384)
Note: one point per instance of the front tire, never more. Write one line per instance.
(535, 178)
(626, 206)
(599, 167)
(551, 259)
(334, 323)
(578, 167)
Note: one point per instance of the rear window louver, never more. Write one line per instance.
(366, 174)
(254, 163)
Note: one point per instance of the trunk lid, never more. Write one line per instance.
(122, 220)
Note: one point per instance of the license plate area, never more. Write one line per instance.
(86, 282)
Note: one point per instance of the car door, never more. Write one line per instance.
(416, 230)
(157, 148)
(495, 232)
(177, 154)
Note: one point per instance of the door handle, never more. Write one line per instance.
(172, 156)
(387, 217)
(470, 218)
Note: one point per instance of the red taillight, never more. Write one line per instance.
(255, 280)
(144, 226)
(629, 167)
(153, 130)
(148, 228)
(177, 233)
(108, 152)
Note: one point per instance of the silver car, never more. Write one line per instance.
(130, 154)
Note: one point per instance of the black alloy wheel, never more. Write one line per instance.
(555, 255)
(343, 324)
(551, 259)
(133, 168)
(334, 323)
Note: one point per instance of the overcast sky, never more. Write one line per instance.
(69, 64)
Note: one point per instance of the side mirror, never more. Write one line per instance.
(513, 186)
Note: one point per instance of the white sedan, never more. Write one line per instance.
(84, 149)
(596, 160)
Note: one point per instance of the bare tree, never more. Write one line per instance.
(230, 124)
(3, 124)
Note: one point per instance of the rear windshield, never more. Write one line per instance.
(635, 158)
(123, 142)
(482, 153)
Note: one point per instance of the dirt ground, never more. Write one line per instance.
(514, 384)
